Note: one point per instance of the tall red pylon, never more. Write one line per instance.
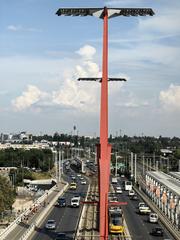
(104, 149)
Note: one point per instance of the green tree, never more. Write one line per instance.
(7, 194)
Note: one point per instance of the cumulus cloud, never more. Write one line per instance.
(29, 97)
(170, 98)
(80, 96)
(71, 94)
(87, 52)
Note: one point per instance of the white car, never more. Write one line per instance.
(83, 182)
(114, 180)
(143, 209)
(153, 218)
(118, 190)
(75, 202)
(131, 192)
(51, 224)
(141, 204)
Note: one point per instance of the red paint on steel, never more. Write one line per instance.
(105, 148)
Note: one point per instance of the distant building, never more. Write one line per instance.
(15, 138)
(166, 152)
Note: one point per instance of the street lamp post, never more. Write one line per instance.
(104, 149)
(117, 156)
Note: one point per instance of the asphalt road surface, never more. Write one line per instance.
(138, 225)
(66, 217)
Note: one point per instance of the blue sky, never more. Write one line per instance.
(42, 55)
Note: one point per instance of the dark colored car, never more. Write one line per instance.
(61, 202)
(61, 236)
(134, 197)
(157, 232)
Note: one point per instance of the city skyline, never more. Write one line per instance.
(41, 56)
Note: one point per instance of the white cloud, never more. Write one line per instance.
(80, 95)
(166, 23)
(131, 101)
(17, 28)
(14, 28)
(29, 97)
(71, 93)
(87, 52)
(170, 98)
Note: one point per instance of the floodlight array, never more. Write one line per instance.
(99, 12)
(77, 11)
(136, 11)
(100, 79)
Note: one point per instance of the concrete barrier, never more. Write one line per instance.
(79, 223)
(28, 232)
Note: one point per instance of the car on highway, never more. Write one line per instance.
(83, 182)
(144, 209)
(141, 204)
(61, 202)
(118, 189)
(51, 224)
(134, 197)
(73, 186)
(73, 177)
(113, 199)
(114, 180)
(157, 231)
(131, 193)
(61, 236)
(75, 201)
(153, 218)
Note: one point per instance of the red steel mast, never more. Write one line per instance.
(104, 149)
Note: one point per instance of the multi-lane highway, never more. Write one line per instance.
(66, 217)
(138, 225)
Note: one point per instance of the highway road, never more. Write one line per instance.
(138, 225)
(66, 217)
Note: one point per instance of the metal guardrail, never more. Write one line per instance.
(81, 216)
(175, 233)
(28, 231)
